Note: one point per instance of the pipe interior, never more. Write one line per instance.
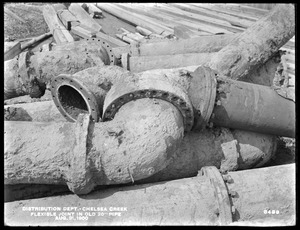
(72, 101)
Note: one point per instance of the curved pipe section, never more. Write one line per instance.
(85, 154)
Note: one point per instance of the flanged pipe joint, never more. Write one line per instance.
(31, 73)
(202, 96)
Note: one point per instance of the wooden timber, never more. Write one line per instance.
(83, 31)
(217, 8)
(135, 19)
(59, 32)
(167, 20)
(243, 23)
(83, 17)
(199, 18)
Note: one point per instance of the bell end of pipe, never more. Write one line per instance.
(72, 97)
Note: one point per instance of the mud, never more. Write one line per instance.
(138, 129)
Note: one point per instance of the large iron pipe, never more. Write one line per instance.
(30, 74)
(40, 153)
(257, 44)
(207, 199)
(253, 107)
(228, 149)
(242, 105)
(50, 153)
(201, 44)
(232, 104)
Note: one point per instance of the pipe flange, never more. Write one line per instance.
(123, 92)
(202, 91)
(81, 100)
(107, 47)
(79, 177)
(221, 193)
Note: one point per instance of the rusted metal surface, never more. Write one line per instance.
(149, 87)
(202, 92)
(262, 192)
(84, 92)
(37, 70)
(177, 86)
(201, 200)
(39, 159)
(91, 45)
(201, 44)
(253, 107)
(48, 149)
(255, 45)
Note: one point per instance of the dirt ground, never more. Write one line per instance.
(35, 25)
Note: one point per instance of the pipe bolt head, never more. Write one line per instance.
(232, 193)
(227, 179)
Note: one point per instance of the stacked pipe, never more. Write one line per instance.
(188, 100)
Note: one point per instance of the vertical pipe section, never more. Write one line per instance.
(246, 106)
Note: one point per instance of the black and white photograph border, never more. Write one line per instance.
(149, 114)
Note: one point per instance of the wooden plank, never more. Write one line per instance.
(140, 10)
(253, 11)
(170, 21)
(183, 32)
(12, 51)
(190, 24)
(135, 19)
(59, 32)
(83, 17)
(217, 8)
(67, 19)
(83, 32)
(197, 10)
(93, 10)
(125, 38)
(58, 7)
(143, 31)
(199, 18)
